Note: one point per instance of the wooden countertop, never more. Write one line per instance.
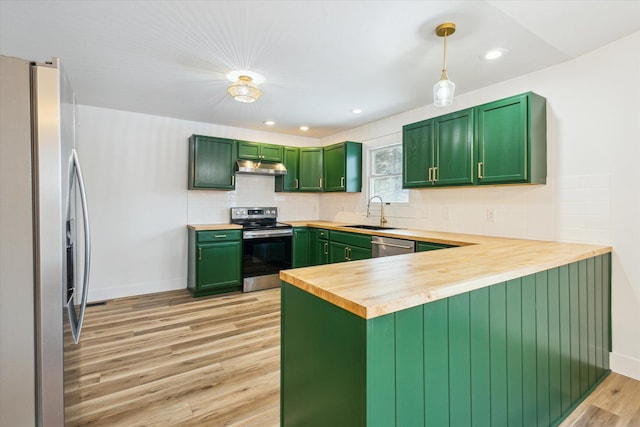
(379, 286)
(213, 227)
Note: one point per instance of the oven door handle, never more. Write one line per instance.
(247, 235)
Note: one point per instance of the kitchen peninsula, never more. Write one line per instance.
(495, 331)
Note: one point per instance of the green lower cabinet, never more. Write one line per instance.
(215, 262)
(300, 245)
(523, 352)
(344, 246)
(339, 252)
(318, 246)
(429, 246)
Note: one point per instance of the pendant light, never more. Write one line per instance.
(244, 90)
(443, 90)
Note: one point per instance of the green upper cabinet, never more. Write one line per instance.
(260, 152)
(511, 140)
(310, 171)
(290, 181)
(211, 163)
(502, 142)
(417, 154)
(453, 149)
(300, 247)
(439, 151)
(343, 167)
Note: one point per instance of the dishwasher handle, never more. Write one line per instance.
(392, 245)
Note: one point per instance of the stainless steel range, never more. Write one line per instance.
(266, 247)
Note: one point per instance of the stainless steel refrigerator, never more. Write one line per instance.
(45, 241)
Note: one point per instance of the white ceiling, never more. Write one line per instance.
(321, 59)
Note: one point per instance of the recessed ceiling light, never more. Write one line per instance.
(233, 76)
(269, 122)
(304, 128)
(494, 54)
(356, 111)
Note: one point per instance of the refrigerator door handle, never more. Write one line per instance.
(76, 321)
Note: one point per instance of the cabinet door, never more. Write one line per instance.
(453, 149)
(271, 153)
(337, 252)
(502, 141)
(218, 265)
(356, 252)
(211, 163)
(300, 247)
(249, 150)
(323, 252)
(310, 171)
(428, 246)
(417, 154)
(334, 168)
(314, 246)
(290, 181)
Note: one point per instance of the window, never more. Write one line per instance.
(386, 174)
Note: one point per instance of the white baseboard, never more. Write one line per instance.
(625, 365)
(133, 289)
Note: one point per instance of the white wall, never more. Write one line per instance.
(592, 194)
(136, 173)
(135, 169)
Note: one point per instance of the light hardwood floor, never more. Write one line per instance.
(168, 359)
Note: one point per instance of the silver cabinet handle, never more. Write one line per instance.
(342, 182)
(435, 174)
(297, 184)
(480, 165)
(320, 182)
(326, 248)
(233, 180)
(199, 254)
(220, 236)
(430, 174)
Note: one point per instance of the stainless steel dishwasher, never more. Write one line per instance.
(387, 246)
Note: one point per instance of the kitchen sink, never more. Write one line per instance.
(369, 227)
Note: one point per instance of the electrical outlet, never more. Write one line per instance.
(491, 214)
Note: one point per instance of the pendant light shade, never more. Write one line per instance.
(444, 89)
(244, 90)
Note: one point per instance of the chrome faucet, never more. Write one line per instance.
(383, 220)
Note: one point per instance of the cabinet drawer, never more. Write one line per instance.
(218, 235)
(353, 239)
(322, 233)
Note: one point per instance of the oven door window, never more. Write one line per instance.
(265, 256)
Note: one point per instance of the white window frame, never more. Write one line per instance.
(373, 176)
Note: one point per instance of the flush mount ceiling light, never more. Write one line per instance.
(443, 90)
(244, 89)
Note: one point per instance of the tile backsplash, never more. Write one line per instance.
(212, 207)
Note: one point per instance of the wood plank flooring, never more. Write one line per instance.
(168, 359)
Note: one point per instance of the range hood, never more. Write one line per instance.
(260, 168)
